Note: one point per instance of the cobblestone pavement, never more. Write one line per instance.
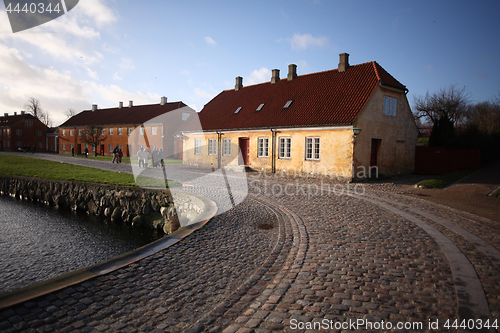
(296, 252)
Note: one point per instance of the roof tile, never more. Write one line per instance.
(319, 99)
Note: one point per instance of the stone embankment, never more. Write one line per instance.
(136, 206)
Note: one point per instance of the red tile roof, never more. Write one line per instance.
(319, 99)
(11, 120)
(121, 116)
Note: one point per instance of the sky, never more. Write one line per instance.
(105, 51)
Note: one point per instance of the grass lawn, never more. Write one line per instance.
(445, 180)
(16, 165)
(132, 160)
(497, 193)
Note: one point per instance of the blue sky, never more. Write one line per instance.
(105, 51)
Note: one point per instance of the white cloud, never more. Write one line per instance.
(258, 76)
(204, 94)
(304, 41)
(112, 94)
(210, 41)
(71, 41)
(126, 64)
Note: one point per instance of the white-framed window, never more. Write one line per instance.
(141, 130)
(129, 130)
(312, 148)
(79, 132)
(263, 147)
(38, 133)
(212, 147)
(197, 146)
(71, 132)
(119, 146)
(154, 130)
(119, 131)
(63, 132)
(63, 146)
(226, 147)
(103, 131)
(390, 106)
(28, 122)
(19, 132)
(285, 148)
(70, 146)
(110, 131)
(110, 147)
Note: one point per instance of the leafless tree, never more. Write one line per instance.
(70, 113)
(448, 104)
(94, 136)
(485, 117)
(34, 107)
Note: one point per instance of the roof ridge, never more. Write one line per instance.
(307, 74)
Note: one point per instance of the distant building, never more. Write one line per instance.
(310, 123)
(22, 132)
(118, 125)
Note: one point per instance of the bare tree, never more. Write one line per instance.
(94, 136)
(70, 113)
(34, 107)
(448, 104)
(485, 117)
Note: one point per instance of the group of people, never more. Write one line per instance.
(144, 156)
(117, 155)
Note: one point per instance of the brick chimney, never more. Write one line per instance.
(5, 114)
(22, 113)
(239, 83)
(15, 113)
(343, 62)
(163, 100)
(276, 76)
(94, 107)
(120, 105)
(130, 104)
(292, 72)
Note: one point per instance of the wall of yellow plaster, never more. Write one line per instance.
(398, 134)
(335, 151)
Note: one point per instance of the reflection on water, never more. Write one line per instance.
(38, 243)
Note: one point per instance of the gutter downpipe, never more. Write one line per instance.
(273, 152)
(219, 152)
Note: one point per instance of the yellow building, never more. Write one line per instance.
(350, 121)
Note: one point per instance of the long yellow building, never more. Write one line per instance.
(353, 121)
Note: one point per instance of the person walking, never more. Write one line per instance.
(115, 155)
(120, 155)
(86, 152)
(140, 157)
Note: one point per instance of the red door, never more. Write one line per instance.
(244, 144)
(374, 152)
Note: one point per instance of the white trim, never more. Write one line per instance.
(288, 129)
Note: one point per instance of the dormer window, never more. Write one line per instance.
(260, 107)
(287, 104)
(238, 110)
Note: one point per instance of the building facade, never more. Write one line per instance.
(22, 131)
(130, 128)
(352, 121)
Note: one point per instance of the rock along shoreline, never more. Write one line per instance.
(139, 207)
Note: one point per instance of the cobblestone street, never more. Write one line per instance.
(287, 258)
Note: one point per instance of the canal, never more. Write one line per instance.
(38, 242)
